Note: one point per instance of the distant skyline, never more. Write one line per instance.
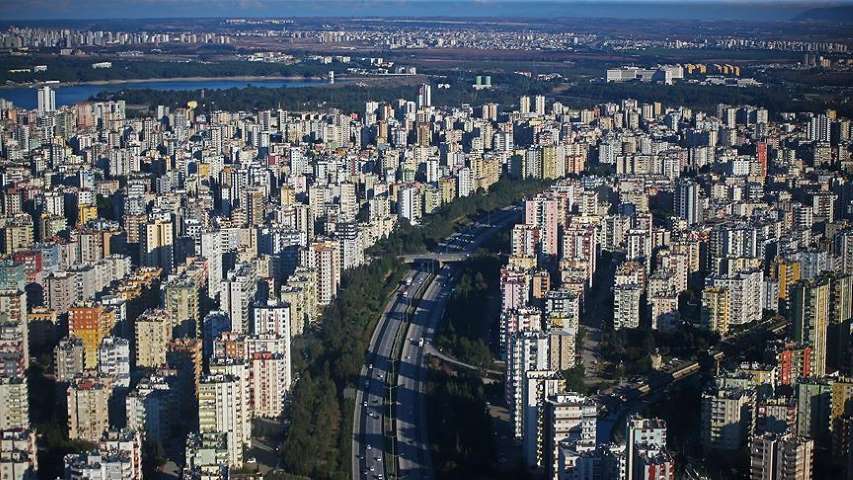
(768, 10)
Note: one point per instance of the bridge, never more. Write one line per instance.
(440, 258)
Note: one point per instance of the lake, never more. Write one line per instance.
(25, 97)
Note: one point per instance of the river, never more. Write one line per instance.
(25, 97)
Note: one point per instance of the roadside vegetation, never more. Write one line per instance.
(468, 329)
(327, 358)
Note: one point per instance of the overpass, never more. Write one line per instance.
(441, 258)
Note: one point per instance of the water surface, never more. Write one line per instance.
(26, 97)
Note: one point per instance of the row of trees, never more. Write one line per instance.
(707, 97)
(795, 96)
(328, 358)
(347, 97)
(317, 442)
(443, 222)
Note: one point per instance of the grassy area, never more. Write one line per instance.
(714, 55)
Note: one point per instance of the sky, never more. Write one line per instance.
(11, 10)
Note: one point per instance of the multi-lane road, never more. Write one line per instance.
(414, 458)
(371, 409)
(405, 419)
(407, 415)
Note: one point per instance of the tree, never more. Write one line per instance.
(574, 378)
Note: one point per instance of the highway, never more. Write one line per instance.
(412, 432)
(371, 411)
(414, 455)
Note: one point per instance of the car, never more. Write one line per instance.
(379, 375)
(364, 404)
(368, 446)
(372, 468)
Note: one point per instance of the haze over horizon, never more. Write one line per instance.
(19, 10)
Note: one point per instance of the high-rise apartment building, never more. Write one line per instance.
(181, 298)
(727, 417)
(91, 323)
(324, 256)
(153, 330)
(688, 201)
(841, 411)
(114, 360)
(98, 464)
(126, 442)
(626, 306)
(14, 329)
(68, 359)
(541, 212)
(646, 453)
(809, 314)
(745, 295)
(207, 455)
(237, 295)
(568, 417)
(46, 99)
(775, 456)
(157, 245)
(184, 358)
(839, 354)
(14, 398)
(224, 409)
(88, 407)
(152, 408)
(18, 455)
(424, 96)
(269, 383)
(272, 318)
(715, 310)
(526, 351)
